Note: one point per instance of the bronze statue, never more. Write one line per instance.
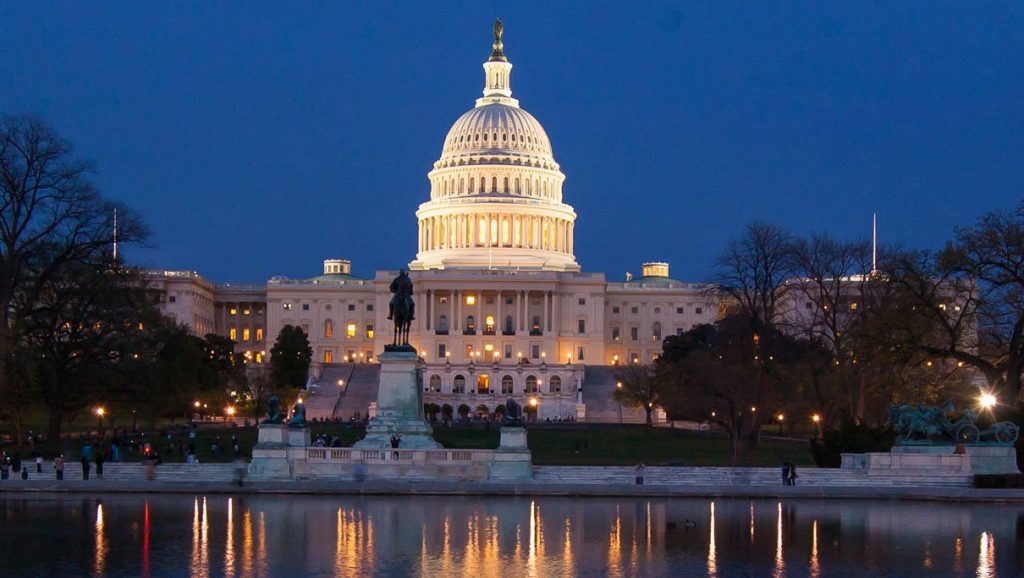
(513, 414)
(298, 415)
(402, 308)
(937, 425)
(273, 410)
(498, 52)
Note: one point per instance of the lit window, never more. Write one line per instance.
(489, 347)
(489, 323)
(234, 311)
(233, 334)
(287, 306)
(259, 334)
(245, 311)
(259, 358)
(350, 330)
(444, 300)
(245, 334)
(853, 306)
(470, 300)
(328, 356)
(369, 330)
(328, 328)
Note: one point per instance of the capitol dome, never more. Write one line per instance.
(496, 191)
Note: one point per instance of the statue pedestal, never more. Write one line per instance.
(271, 454)
(399, 405)
(512, 461)
(936, 461)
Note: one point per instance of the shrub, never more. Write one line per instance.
(849, 438)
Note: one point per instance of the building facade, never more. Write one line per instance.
(502, 307)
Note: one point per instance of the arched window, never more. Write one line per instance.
(519, 189)
(482, 411)
(494, 184)
(459, 384)
(435, 382)
(470, 323)
(555, 384)
(483, 383)
(462, 183)
(472, 184)
(506, 385)
(505, 190)
(442, 323)
(328, 328)
(531, 384)
(656, 331)
(509, 324)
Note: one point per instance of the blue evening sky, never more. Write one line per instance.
(257, 139)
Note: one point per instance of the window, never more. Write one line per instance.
(580, 354)
(245, 311)
(634, 310)
(583, 301)
(656, 331)
(259, 334)
(444, 300)
(634, 333)
(233, 334)
(509, 324)
(508, 351)
(442, 350)
(287, 306)
(581, 326)
(435, 382)
(234, 311)
(657, 310)
(350, 330)
(615, 309)
(679, 310)
(506, 385)
(489, 300)
(470, 323)
(172, 298)
(616, 334)
(483, 383)
(459, 385)
(699, 311)
(369, 306)
(442, 324)
(555, 385)
(328, 356)
(534, 351)
(535, 325)
(470, 300)
(245, 334)
(489, 323)
(351, 307)
(680, 331)
(328, 328)
(369, 330)
(531, 384)
(305, 306)
(469, 351)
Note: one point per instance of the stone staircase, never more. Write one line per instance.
(360, 390)
(598, 389)
(323, 397)
(712, 476)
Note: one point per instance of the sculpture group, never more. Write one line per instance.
(918, 424)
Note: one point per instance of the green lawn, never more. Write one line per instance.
(598, 445)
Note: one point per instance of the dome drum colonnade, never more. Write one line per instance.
(496, 186)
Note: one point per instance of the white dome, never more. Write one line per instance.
(497, 129)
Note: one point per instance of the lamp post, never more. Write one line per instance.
(817, 425)
(100, 412)
(779, 418)
(618, 387)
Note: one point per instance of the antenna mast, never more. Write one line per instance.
(874, 244)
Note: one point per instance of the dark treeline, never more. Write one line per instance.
(79, 328)
(819, 331)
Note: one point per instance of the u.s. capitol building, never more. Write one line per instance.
(502, 307)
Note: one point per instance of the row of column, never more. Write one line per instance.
(457, 311)
(496, 230)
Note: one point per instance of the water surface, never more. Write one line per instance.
(255, 536)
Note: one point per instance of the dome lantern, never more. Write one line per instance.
(497, 74)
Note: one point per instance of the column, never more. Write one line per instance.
(456, 324)
(554, 312)
(517, 323)
(499, 322)
(429, 309)
(546, 318)
(451, 311)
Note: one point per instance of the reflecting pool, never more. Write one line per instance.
(243, 536)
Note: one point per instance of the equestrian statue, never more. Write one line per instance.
(402, 309)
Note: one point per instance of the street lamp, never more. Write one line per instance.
(779, 419)
(987, 401)
(817, 423)
(100, 412)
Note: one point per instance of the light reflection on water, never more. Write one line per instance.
(263, 536)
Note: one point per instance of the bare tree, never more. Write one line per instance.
(752, 272)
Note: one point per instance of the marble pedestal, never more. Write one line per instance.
(399, 405)
(937, 460)
(512, 461)
(275, 448)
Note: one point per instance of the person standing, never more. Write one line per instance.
(639, 471)
(58, 466)
(792, 475)
(785, 473)
(39, 462)
(99, 463)
(85, 466)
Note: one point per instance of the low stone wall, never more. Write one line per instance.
(933, 461)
